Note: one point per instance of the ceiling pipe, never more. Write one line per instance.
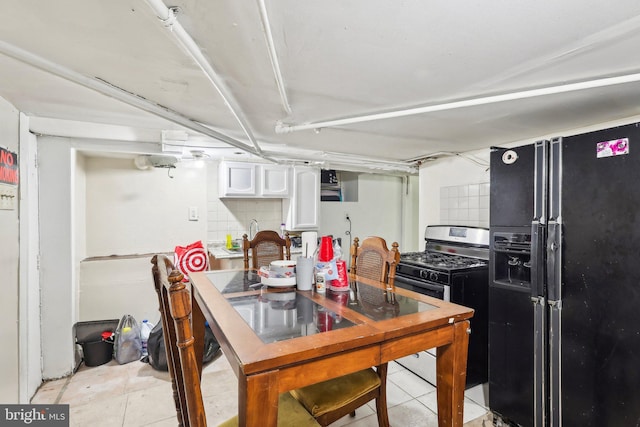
(282, 128)
(167, 16)
(331, 160)
(122, 95)
(266, 27)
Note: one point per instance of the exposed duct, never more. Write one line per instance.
(146, 162)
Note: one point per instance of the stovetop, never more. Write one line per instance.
(449, 250)
(437, 260)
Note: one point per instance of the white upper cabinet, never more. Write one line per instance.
(274, 180)
(238, 179)
(301, 210)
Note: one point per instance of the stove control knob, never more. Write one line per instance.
(433, 276)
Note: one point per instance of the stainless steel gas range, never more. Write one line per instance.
(453, 267)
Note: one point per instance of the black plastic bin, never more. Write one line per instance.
(90, 347)
(96, 353)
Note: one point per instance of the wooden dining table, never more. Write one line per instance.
(278, 338)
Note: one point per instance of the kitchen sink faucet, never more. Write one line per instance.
(252, 234)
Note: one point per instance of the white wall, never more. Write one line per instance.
(412, 236)
(377, 212)
(78, 207)
(9, 258)
(110, 288)
(101, 220)
(130, 215)
(132, 211)
(30, 340)
(58, 285)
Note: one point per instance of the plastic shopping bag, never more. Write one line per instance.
(191, 258)
(127, 345)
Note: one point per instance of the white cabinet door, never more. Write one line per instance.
(302, 208)
(237, 179)
(274, 181)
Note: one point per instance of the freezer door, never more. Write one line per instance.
(512, 186)
(511, 355)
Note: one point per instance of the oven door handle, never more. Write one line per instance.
(434, 287)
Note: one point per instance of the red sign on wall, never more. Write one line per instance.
(8, 167)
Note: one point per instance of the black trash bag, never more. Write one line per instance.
(211, 346)
(158, 356)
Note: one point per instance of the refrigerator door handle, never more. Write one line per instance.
(554, 386)
(538, 249)
(540, 190)
(554, 259)
(554, 231)
(540, 362)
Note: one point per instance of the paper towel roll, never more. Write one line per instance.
(309, 243)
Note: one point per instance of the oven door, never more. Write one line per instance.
(423, 363)
(423, 287)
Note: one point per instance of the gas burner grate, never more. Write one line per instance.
(440, 260)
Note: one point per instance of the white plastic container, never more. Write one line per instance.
(145, 330)
(321, 286)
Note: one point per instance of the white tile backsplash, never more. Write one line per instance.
(483, 202)
(465, 204)
(232, 216)
(474, 202)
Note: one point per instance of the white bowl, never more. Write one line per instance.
(286, 268)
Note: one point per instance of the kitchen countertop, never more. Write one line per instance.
(221, 253)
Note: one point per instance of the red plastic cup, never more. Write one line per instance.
(341, 298)
(325, 252)
(342, 282)
(325, 321)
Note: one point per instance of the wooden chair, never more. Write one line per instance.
(373, 260)
(265, 247)
(331, 400)
(175, 307)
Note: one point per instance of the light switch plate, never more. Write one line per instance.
(193, 213)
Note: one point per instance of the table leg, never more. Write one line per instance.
(258, 400)
(451, 366)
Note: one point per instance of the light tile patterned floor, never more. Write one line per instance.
(136, 395)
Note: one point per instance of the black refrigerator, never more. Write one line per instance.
(564, 285)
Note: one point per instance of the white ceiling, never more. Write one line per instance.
(337, 59)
